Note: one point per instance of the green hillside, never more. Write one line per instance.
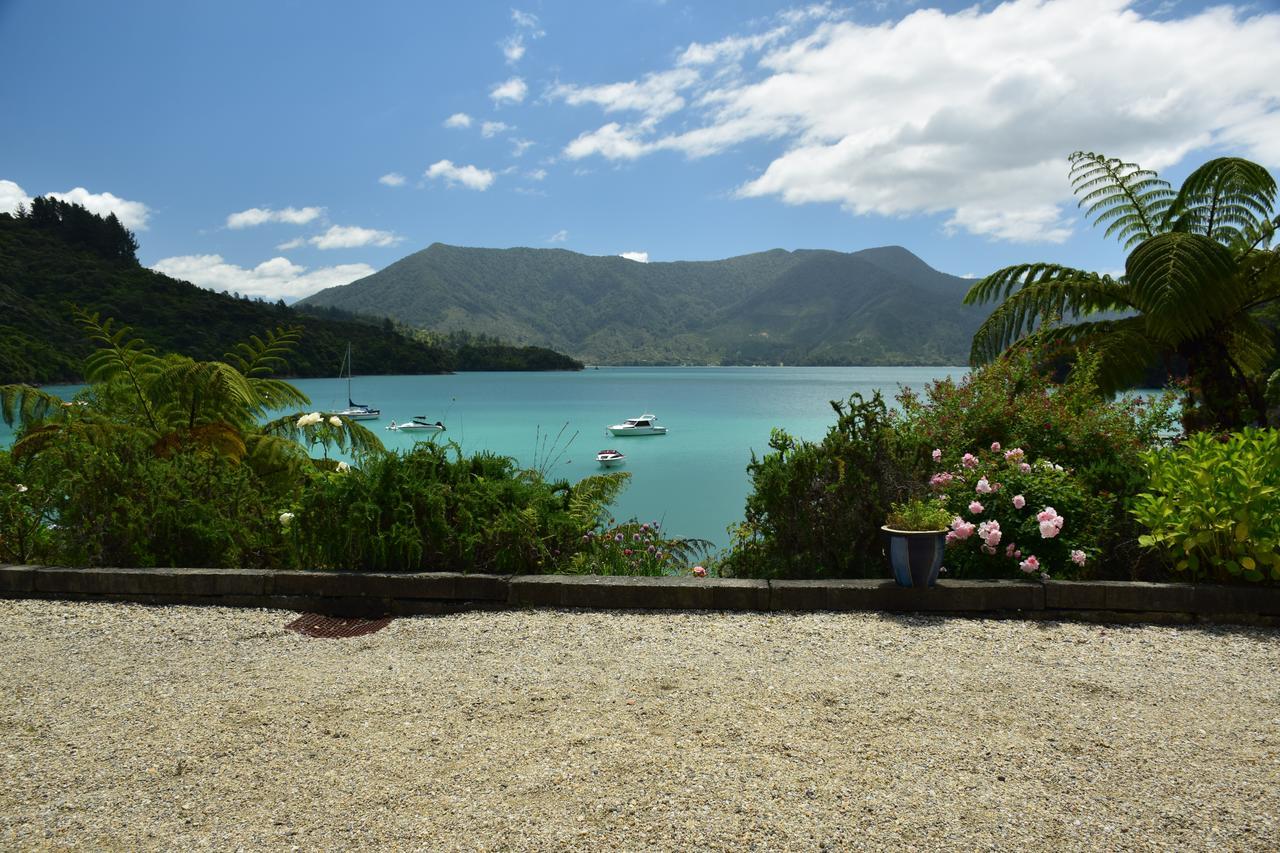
(70, 257)
(879, 306)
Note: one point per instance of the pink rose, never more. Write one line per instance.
(937, 455)
(983, 487)
(969, 460)
(1030, 565)
(699, 571)
(1078, 557)
(1019, 501)
(1025, 467)
(976, 508)
(1014, 455)
(995, 447)
(940, 479)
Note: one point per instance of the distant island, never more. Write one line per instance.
(58, 254)
(881, 306)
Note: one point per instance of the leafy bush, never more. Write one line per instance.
(1213, 505)
(1016, 517)
(115, 503)
(1015, 404)
(815, 510)
(919, 514)
(635, 548)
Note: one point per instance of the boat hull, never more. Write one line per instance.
(623, 432)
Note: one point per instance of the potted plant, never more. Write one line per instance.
(915, 537)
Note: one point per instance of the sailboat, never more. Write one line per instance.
(355, 411)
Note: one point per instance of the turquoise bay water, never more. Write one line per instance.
(693, 479)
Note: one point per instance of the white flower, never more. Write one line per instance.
(343, 467)
(285, 518)
(21, 488)
(308, 420)
(334, 420)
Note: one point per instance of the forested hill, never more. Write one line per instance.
(877, 306)
(66, 256)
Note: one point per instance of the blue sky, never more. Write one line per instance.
(278, 147)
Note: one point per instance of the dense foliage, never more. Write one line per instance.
(1200, 270)
(815, 509)
(879, 306)
(1014, 515)
(1213, 505)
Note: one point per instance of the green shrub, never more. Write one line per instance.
(434, 509)
(1213, 505)
(1015, 404)
(1014, 517)
(635, 548)
(919, 514)
(815, 509)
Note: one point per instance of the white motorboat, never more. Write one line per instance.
(354, 411)
(419, 422)
(643, 425)
(610, 458)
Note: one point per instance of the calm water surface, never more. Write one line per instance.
(693, 479)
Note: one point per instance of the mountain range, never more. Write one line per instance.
(60, 255)
(808, 306)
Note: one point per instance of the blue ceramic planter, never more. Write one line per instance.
(915, 556)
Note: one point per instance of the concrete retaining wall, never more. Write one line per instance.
(367, 593)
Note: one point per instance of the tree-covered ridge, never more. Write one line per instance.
(878, 306)
(58, 255)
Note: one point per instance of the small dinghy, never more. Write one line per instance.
(419, 422)
(610, 458)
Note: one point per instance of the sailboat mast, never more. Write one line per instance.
(349, 372)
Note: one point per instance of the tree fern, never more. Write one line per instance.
(1033, 293)
(117, 355)
(1183, 283)
(1130, 200)
(1227, 200)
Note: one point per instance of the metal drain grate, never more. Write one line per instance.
(333, 628)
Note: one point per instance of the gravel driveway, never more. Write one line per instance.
(128, 727)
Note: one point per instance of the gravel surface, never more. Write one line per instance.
(127, 727)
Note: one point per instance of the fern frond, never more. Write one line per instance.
(1227, 200)
(1033, 293)
(117, 355)
(1130, 200)
(590, 496)
(26, 405)
(1183, 284)
(258, 357)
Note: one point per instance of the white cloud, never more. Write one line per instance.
(458, 120)
(295, 243)
(969, 115)
(559, 237)
(513, 48)
(655, 95)
(470, 177)
(392, 179)
(638, 257)
(12, 195)
(132, 214)
(511, 91)
(536, 174)
(262, 215)
(492, 128)
(519, 146)
(274, 279)
(351, 237)
(528, 21)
